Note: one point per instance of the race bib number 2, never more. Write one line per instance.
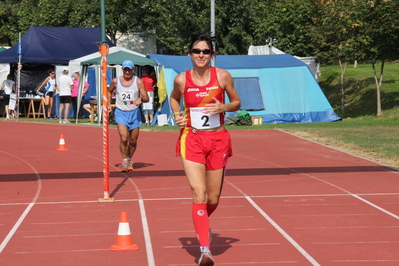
(202, 119)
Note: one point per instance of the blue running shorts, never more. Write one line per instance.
(130, 119)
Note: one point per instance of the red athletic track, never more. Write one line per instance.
(286, 201)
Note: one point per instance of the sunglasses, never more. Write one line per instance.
(52, 73)
(198, 51)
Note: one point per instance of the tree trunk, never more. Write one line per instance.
(378, 83)
(343, 70)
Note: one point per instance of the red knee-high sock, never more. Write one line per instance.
(211, 208)
(201, 223)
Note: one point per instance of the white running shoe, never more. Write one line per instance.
(130, 166)
(125, 166)
(206, 258)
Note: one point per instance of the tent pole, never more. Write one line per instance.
(18, 87)
(104, 48)
(213, 36)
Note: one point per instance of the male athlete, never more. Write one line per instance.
(129, 92)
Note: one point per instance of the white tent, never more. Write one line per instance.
(74, 65)
(4, 71)
(79, 65)
(269, 49)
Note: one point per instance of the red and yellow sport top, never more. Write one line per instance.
(195, 99)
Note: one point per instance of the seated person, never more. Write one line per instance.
(88, 108)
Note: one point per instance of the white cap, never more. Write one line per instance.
(65, 69)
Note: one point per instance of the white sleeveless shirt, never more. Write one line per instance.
(126, 96)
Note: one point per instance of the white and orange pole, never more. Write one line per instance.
(104, 52)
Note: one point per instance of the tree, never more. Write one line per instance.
(9, 20)
(232, 26)
(336, 34)
(287, 21)
(121, 16)
(383, 30)
(173, 22)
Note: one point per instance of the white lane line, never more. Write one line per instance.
(147, 238)
(375, 206)
(15, 227)
(245, 263)
(345, 227)
(277, 227)
(27, 210)
(77, 222)
(368, 261)
(261, 263)
(57, 236)
(228, 245)
(283, 233)
(354, 242)
(223, 197)
(225, 230)
(329, 215)
(331, 184)
(146, 228)
(59, 251)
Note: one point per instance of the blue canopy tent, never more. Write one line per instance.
(46, 47)
(54, 45)
(43, 47)
(279, 88)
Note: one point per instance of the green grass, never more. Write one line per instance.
(360, 88)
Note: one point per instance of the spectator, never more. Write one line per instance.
(48, 87)
(65, 86)
(8, 87)
(89, 108)
(149, 82)
(74, 95)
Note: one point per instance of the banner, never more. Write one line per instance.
(13, 101)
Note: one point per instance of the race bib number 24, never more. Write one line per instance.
(126, 96)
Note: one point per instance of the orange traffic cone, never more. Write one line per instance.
(61, 145)
(124, 239)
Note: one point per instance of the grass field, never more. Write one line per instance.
(360, 89)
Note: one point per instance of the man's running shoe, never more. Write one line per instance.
(66, 121)
(130, 166)
(206, 257)
(125, 166)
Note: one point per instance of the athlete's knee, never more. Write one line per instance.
(213, 200)
(133, 141)
(124, 140)
(199, 196)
